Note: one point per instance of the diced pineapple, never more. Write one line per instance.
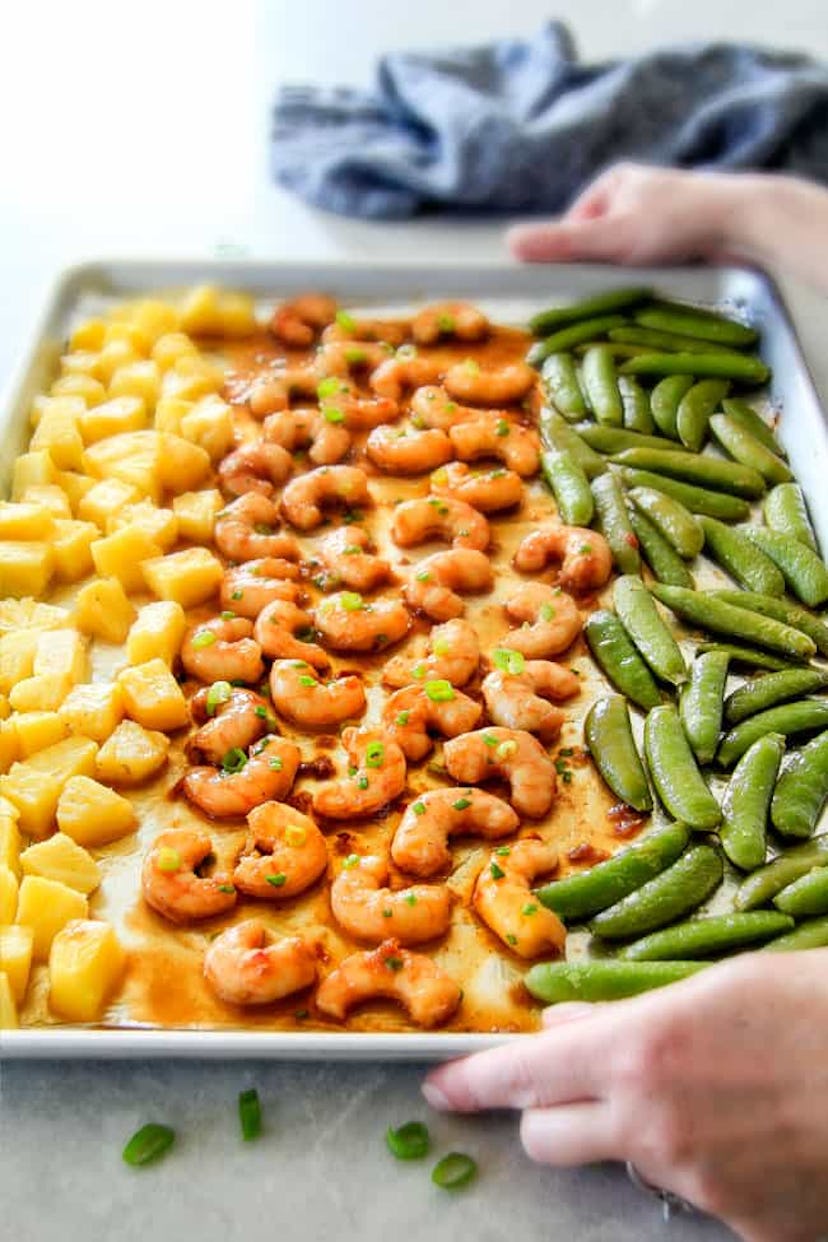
(196, 513)
(25, 568)
(157, 633)
(161, 525)
(37, 730)
(8, 1009)
(121, 554)
(154, 318)
(122, 331)
(51, 497)
(62, 859)
(8, 895)
(86, 964)
(8, 810)
(91, 390)
(62, 653)
(142, 473)
(191, 378)
(17, 653)
(66, 410)
(71, 545)
(81, 362)
(31, 614)
(31, 469)
(103, 610)
(8, 745)
(16, 957)
(170, 347)
(153, 697)
(101, 458)
(43, 693)
(210, 425)
(115, 354)
(57, 433)
(139, 379)
(24, 520)
(46, 906)
(89, 335)
(34, 786)
(106, 499)
(189, 577)
(169, 412)
(94, 709)
(93, 815)
(131, 755)
(183, 465)
(5, 707)
(10, 841)
(125, 412)
(208, 311)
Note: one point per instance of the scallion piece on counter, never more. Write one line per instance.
(408, 1142)
(250, 1114)
(148, 1144)
(454, 1171)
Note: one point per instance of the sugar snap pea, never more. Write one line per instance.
(637, 416)
(700, 705)
(745, 805)
(696, 499)
(586, 893)
(737, 555)
(763, 692)
(802, 716)
(714, 614)
(614, 523)
(739, 653)
(664, 403)
(675, 892)
(559, 379)
(695, 410)
(661, 556)
(610, 741)
(801, 790)
(753, 422)
(812, 934)
(614, 653)
(711, 472)
(761, 887)
(748, 369)
(678, 526)
(802, 569)
(707, 937)
(618, 439)
(780, 610)
(648, 629)
(745, 448)
(786, 512)
(705, 325)
(656, 339)
(556, 433)
(565, 338)
(553, 982)
(570, 487)
(601, 386)
(618, 349)
(553, 317)
(674, 771)
(806, 896)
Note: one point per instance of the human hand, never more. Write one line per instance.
(715, 1088)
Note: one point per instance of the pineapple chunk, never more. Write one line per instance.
(122, 332)
(115, 353)
(93, 710)
(189, 577)
(34, 786)
(103, 610)
(131, 755)
(81, 362)
(157, 633)
(208, 311)
(160, 525)
(153, 697)
(125, 412)
(120, 555)
(8, 1009)
(106, 499)
(169, 412)
(37, 730)
(86, 964)
(76, 486)
(31, 469)
(209, 423)
(31, 614)
(154, 318)
(62, 859)
(170, 347)
(25, 568)
(196, 513)
(17, 653)
(5, 707)
(57, 432)
(16, 958)
(183, 465)
(46, 906)
(66, 408)
(62, 653)
(142, 473)
(191, 378)
(49, 496)
(89, 335)
(91, 391)
(71, 546)
(8, 745)
(10, 841)
(8, 895)
(43, 693)
(8, 809)
(93, 815)
(24, 520)
(139, 379)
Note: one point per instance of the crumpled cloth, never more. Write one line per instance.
(521, 125)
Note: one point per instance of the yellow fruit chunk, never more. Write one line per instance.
(208, 311)
(5, 707)
(81, 362)
(91, 391)
(153, 697)
(31, 614)
(76, 486)
(8, 745)
(190, 378)
(209, 423)
(16, 958)
(170, 347)
(62, 859)
(159, 525)
(46, 906)
(103, 610)
(105, 500)
(93, 815)
(89, 335)
(169, 412)
(31, 469)
(99, 459)
(62, 653)
(71, 546)
(9, 809)
(10, 841)
(57, 432)
(8, 1009)
(115, 354)
(8, 895)
(24, 520)
(34, 785)
(37, 730)
(85, 967)
(25, 568)
(196, 513)
(43, 693)
(17, 653)
(125, 412)
(123, 332)
(138, 379)
(131, 755)
(94, 709)
(157, 633)
(189, 577)
(49, 496)
(153, 317)
(183, 465)
(142, 473)
(64, 410)
(120, 555)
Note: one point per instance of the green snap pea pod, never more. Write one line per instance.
(786, 512)
(812, 934)
(745, 805)
(780, 610)
(610, 741)
(648, 629)
(614, 652)
(566, 338)
(637, 416)
(661, 556)
(708, 937)
(675, 892)
(803, 716)
(674, 771)
(554, 982)
(547, 321)
(751, 656)
(601, 386)
(614, 523)
(801, 790)
(737, 555)
(802, 569)
(670, 517)
(748, 369)
(711, 472)
(806, 896)
(761, 887)
(664, 402)
(618, 439)
(654, 339)
(696, 499)
(714, 614)
(695, 410)
(700, 705)
(586, 893)
(753, 422)
(745, 448)
(618, 349)
(556, 433)
(570, 487)
(705, 325)
(763, 692)
(559, 379)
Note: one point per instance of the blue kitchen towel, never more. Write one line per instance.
(520, 125)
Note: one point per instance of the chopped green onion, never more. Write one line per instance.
(388, 914)
(451, 406)
(332, 414)
(471, 366)
(508, 661)
(567, 750)
(585, 549)
(445, 323)
(499, 473)
(511, 938)
(454, 1171)
(407, 351)
(275, 763)
(327, 387)
(262, 712)
(355, 356)
(503, 851)
(418, 808)
(353, 549)
(362, 782)
(418, 672)
(238, 594)
(351, 601)
(440, 477)
(441, 647)
(547, 612)
(402, 719)
(394, 963)
(423, 576)
(148, 1144)
(234, 760)
(410, 899)
(351, 861)
(167, 859)
(263, 528)
(304, 680)
(489, 740)
(566, 777)
(497, 872)
(462, 804)
(502, 427)
(531, 908)
(219, 693)
(226, 888)
(374, 755)
(250, 1114)
(277, 880)
(204, 638)
(440, 690)
(506, 749)
(409, 1142)
(227, 615)
(346, 321)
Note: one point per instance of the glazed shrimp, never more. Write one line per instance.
(454, 657)
(235, 722)
(492, 435)
(274, 390)
(506, 385)
(431, 406)
(460, 320)
(512, 754)
(299, 321)
(276, 629)
(394, 376)
(283, 855)
(486, 490)
(520, 701)
(435, 586)
(266, 776)
(349, 555)
(341, 358)
(172, 885)
(503, 898)
(550, 621)
(404, 450)
(350, 328)
(222, 650)
(369, 911)
(437, 517)
(346, 623)
(584, 556)
(248, 588)
(304, 498)
(300, 696)
(246, 965)
(356, 413)
(248, 528)
(420, 844)
(255, 467)
(379, 777)
(302, 428)
(411, 714)
(425, 991)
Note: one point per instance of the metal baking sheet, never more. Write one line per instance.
(508, 294)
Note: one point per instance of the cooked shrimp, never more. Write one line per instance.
(300, 696)
(378, 778)
(437, 517)
(248, 588)
(438, 580)
(350, 328)
(296, 429)
(460, 320)
(431, 406)
(248, 528)
(550, 621)
(230, 718)
(265, 776)
(349, 554)
(222, 650)
(486, 490)
(420, 844)
(255, 467)
(425, 991)
(584, 556)
(172, 885)
(513, 754)
(520, 700)
(503, 898)
(395, 375)
(340, 358)
(369, 911)
(276, 629)
(273, 391)
(454, 657)
(283, 855)
(403, 450)
(304, 498)
(506, 385)
(347, 623)
(298, 321)
(246, 965)
(411, 714)
(492, 435)
(358, 413)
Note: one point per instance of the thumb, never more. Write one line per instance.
(560, 240)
